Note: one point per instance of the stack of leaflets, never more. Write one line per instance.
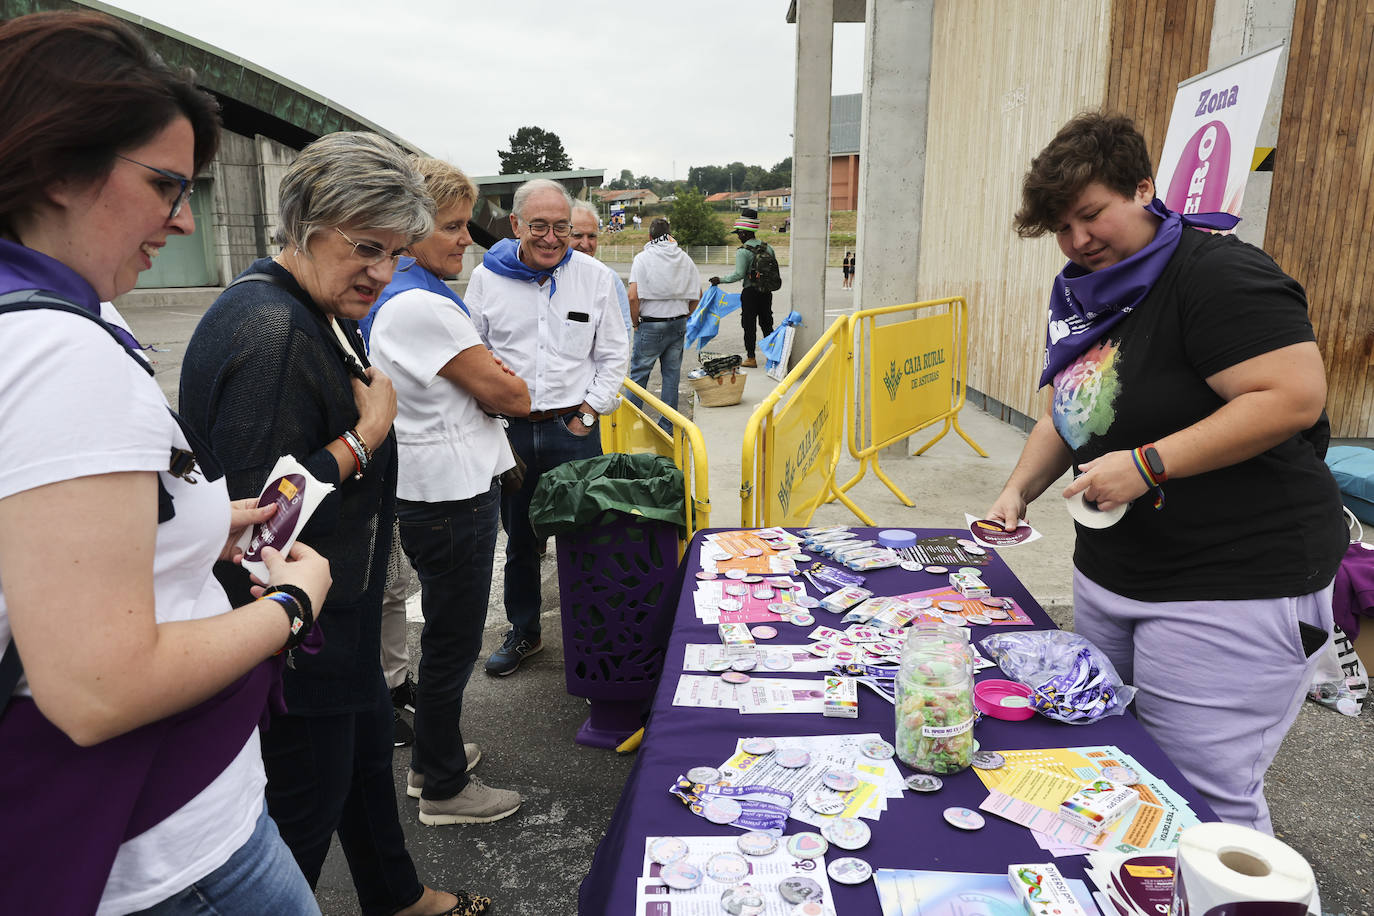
(717, 864)
(1029, 788)
(952, 893)
(1133, 883)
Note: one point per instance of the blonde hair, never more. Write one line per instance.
(447, 184)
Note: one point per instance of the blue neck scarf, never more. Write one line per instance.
(1085, 305)
(24, 268)
(415, 278)
(504, 258)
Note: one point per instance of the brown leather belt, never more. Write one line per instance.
(537, 415)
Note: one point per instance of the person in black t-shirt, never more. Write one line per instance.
(1187, 387)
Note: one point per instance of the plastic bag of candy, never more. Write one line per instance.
(1071, 679)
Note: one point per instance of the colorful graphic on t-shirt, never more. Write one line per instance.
(1084, 394)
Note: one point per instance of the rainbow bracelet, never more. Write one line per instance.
(1138, 456)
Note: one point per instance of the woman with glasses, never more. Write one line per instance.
(131, 688)
(277, 367)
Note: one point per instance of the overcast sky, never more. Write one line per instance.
(654, 87)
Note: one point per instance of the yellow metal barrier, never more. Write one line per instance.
(793, 451)
(914, 378)
(629, 429)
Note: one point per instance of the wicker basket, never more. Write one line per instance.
(720, 391)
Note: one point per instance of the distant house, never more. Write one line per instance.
(720, 197)
(778, 199)
(635, 199)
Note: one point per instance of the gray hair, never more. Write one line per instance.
(534, 186)
(353, 177)
(588, 206)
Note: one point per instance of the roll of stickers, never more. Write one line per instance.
(1089, 516)
(1229, 870)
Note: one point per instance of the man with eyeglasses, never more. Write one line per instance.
(552, 316)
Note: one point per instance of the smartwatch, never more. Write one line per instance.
(588, 419)
(1154, 462)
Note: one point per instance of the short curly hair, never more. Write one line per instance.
(1094, 146)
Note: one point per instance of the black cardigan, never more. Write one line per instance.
(263, 377)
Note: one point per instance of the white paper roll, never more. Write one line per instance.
(1222, 865)
(1091, 516)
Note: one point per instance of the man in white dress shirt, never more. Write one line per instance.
(552, 315)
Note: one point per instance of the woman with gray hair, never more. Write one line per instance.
(276, 367)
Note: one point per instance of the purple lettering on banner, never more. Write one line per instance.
(1199, 181)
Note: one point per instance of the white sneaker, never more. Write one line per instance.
(478, 803)
(415, 782)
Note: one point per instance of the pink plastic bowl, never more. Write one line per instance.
(990, 698)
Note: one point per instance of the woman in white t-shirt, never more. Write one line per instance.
(452, 453)
(130, 774)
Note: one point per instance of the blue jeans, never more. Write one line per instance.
(543, 445)
(333, 773)
(260, 877)
(654, 341)
(452, 546)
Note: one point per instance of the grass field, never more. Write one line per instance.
(842, 233)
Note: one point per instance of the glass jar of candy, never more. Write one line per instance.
(935, 702)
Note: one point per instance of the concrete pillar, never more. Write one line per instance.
(892, 145)
(1240, 27)
(811, 171)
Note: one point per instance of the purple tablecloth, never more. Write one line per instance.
(910, 834)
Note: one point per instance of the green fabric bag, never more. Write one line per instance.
(580, 493)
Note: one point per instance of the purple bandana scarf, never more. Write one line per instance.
(1085, 305)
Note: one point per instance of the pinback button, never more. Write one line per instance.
(763, 632)
(997, 614)
(988, 760)
(704, 775)
(924, 782)
(849, 870)
(739, 591)
(937, 570)
(979, 620)
(807, 845)
(756, 843)
(785, 608)
(921, 603)
(802, 557)
(727, 867)
(991, 602)
(974, 550)
(754, 552)
(970, 571)
(752, 579)
(680, 875)
(744, 663)
(1122, 775)
(803, 619)
(807, 602)
(763, 592)
(735, 574)
(876, 748)
(847, 833)
(964, 818)
(824, 801)
(840, 780)
(720, 810)
(705, 576)
(758, 746)
(729, 604)
(952, 606)
(718, 665)
(954, 620)
(798, 889)
(735, 677)
(777, 661)
(666, 850)
(742, 899)
(793, 758)
(911, 566)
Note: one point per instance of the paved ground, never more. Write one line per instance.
(532, 863)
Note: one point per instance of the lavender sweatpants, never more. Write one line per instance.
(1220, 682)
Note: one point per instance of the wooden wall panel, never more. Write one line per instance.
(1321, 210)
(1004, 78)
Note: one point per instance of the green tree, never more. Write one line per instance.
(693, 220)
(533, 149)
(781, 174)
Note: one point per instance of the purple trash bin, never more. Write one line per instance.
(612, 579)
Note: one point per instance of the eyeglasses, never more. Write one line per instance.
(184, 186)
(370, 254)
(540, 228)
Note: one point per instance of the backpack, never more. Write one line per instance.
(763, 271)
